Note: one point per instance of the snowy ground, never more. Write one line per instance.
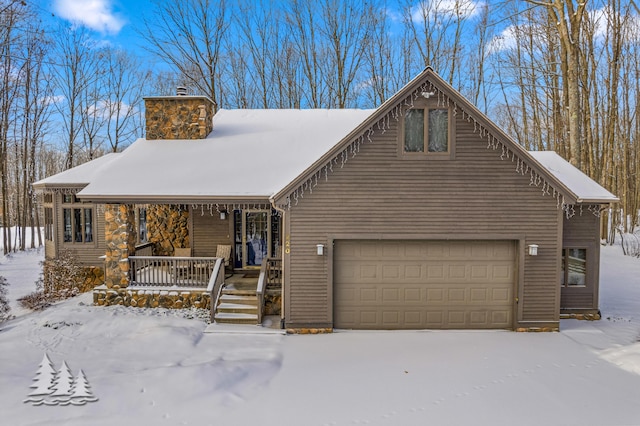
(154, 367)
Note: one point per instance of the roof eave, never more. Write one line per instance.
(174, 199)
(588, 200)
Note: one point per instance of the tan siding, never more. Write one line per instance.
(207, 231)
(379, 193)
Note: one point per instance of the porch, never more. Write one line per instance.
(244, 297)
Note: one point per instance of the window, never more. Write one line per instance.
(77, 220)
(427, 131)
(48, 223)
(574, 267)
(142, 225)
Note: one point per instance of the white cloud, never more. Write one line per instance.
(94, 14)
(463, 8)
(506, 40)
(53, 99)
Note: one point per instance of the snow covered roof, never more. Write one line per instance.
(77, 176)
(249, 154)
(585, 189)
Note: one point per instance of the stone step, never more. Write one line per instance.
(235, 318)
(239, 299)
(236, 308)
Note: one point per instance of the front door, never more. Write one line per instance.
(255, 225)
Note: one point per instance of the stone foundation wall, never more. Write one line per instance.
(272, 303)
(93, 277)
(537, 329)
(168, 228)
(171, 299)
(309, 330)
(582, 316)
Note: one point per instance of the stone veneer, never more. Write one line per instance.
(152, 298)
(178, 117)
(168, 228)
(120, 239)
(272, 302)
(93, 276)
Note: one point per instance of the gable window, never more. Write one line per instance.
(427, 131)
(574, 267)
(77, 220)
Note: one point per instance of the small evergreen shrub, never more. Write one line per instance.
(61, 278)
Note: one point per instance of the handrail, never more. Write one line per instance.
(144, 249)
(260, 288)
(216, 282)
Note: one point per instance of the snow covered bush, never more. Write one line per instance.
(61, 278)
(5, 309)
(630, 244)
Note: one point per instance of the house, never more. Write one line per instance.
(420, 214)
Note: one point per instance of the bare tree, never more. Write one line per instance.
(75, 74)
(122, 100)
(568, 17)
(189, 36)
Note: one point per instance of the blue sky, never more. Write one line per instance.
(114, 21)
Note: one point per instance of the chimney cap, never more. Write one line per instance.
(181, 91)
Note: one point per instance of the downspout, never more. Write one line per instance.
(282, 255)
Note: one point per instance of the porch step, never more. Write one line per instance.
(236, 308)
(239, 299)
(236, 318)
(237, 305)
(239, 292)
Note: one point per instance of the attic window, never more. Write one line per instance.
(427, 131)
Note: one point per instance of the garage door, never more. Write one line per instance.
(423, 284)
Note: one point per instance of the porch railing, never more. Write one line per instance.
(144, 249)
(171, 271)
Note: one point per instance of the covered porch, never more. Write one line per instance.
(180, 265)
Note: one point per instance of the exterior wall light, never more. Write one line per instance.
(223, 215)
(533, 249)
(320, 249)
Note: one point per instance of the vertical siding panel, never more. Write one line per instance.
(208, 231)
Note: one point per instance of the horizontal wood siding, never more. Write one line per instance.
(379, 193)
(207, 231)
(583, 230)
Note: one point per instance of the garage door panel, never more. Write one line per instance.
(391, 295)
(435, 272)
(412, 295)
(423, 284)
(435, 295)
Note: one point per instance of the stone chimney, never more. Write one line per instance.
(178, 117)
